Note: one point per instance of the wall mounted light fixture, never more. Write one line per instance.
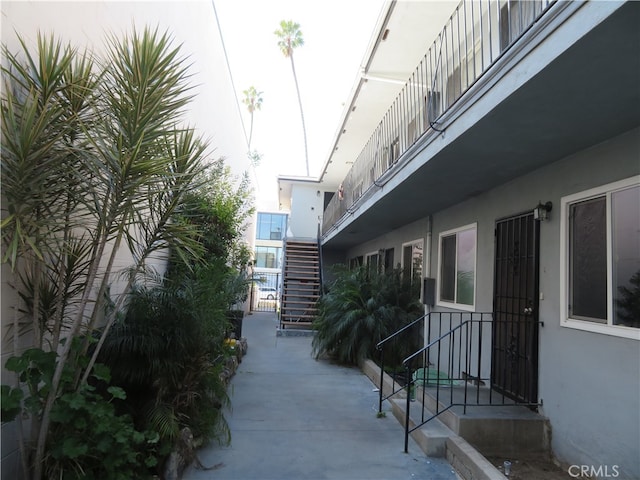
(541, 212)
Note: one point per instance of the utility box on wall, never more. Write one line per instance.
(429, 291)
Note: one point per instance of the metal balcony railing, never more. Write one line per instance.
(475, 36)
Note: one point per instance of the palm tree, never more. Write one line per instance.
(253, 100)
(290, 38)
(361, 307)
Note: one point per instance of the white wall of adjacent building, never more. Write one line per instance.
(307, 206)
(214, 111)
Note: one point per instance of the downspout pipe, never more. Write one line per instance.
(427, 274)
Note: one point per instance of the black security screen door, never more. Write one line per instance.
(514, 366)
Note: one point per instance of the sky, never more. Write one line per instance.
(336, 35)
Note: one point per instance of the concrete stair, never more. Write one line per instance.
(496, 429)
(466, 438)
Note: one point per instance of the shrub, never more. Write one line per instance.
(164, 352)
(361, 308)
(87, 438)
(95, 162)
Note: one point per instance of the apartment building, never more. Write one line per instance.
(495, 146)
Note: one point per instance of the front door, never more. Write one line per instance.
(514, 366)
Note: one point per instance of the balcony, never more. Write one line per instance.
(474, 38)
(531, 70)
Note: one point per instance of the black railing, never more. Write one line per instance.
(476, 35)
(457, 366)
(404, 336)
(320, 262)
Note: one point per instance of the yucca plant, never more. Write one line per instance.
(361, 308)
(95, 161)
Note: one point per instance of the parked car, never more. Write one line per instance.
(267, 293)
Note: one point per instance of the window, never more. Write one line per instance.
(356, 262)
(412, 254)
(271, 226)
(457, 267)
(371, 261)
(515, 17)
(268, 257)
(600, 231)
(388, 259)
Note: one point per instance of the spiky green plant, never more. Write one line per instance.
(95, 161)
(361, 308)
(165, 353)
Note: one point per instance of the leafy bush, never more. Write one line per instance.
(96, 160)
(164, 352)
(361, 308)
(87, 438)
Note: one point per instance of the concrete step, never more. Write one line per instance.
(431, 437)
(436, 438)
(494, 428)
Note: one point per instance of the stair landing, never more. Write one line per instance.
(493, 428)
(475, 441)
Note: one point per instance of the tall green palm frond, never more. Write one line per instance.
(289, 38)
(360, 309)
(253, 100)
(30, 152)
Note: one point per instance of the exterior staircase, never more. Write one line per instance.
(301, 283)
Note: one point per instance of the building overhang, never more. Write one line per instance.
(578, 87)
(404, 32)
(285, 186)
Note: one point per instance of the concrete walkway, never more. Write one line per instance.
(297, 418)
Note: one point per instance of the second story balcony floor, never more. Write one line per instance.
(506, 87)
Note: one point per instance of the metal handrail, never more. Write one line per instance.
(476, 35)
(410, 358)
(380, 348)
(461, 346)
(320, 261)
(381, 343)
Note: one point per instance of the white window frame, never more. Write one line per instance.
(417, 241)
(565, 319)
(412, 243)
(367, 258)
(455, 305)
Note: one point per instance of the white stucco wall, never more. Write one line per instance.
(306, 210)
(214, 111)
(589, 383)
